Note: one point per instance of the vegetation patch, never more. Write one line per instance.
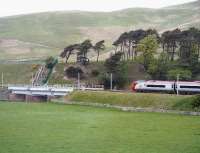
(189, 103)
(159, 101)
(17, 73)
(72, 72)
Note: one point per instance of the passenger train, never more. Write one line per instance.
(182, 87)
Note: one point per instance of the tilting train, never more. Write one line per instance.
(182, 87)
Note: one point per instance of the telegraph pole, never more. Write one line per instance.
(78, 81)
(2, 83)
(32, 79)
(111, 80)
(177, 84)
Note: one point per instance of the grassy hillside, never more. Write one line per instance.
(22, 73)
(50, 128)
(48, 33)
(134, 72)
(17, 73)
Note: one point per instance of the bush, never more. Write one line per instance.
(196, 102)
(72, 72)
(118, 81)
(95, 73)
(191, 103)
(105, 80)
(35, 66)
(119, 70)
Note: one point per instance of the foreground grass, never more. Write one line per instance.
(160, 101)
(51, 128)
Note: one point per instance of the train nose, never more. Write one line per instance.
(133, 85)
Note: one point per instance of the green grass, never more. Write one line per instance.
(52, 128)
(160, 101)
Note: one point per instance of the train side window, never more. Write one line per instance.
(156, 86)
(190, 87)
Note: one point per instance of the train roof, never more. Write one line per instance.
(169, 82)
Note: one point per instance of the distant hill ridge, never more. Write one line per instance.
(44, 34)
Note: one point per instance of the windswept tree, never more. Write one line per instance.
(135, 37)
(116, 43)
(170, 40)
(129, 41)
(99, 46)
(189, 45)
(123, 42)
(67, 52)
(83, 50)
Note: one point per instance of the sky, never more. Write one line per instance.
(16, 7)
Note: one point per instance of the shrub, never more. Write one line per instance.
(196, 102)
(72, 72)
(95, 73)
(35, 66)
(119, 70)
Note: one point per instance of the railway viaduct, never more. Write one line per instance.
(36, 93)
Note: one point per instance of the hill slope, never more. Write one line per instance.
(47, 33)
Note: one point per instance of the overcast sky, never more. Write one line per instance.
(14, 7)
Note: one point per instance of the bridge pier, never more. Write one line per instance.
(16, 97)
(31, 98)
(37, 93)
(28, 98)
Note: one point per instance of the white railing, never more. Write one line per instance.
(74, 86)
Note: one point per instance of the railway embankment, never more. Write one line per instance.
(144, 102)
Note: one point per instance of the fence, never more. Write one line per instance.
(74, 86)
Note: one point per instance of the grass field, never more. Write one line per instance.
(52, 128)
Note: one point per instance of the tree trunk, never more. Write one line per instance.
(163, 46)
(132, 50)
(116, 49)
(198, 50)
(97, 56)
(173, 51)
(67, 57)
(124, 51)
(135, 52)
(129, 49)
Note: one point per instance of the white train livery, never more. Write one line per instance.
(182, 87)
